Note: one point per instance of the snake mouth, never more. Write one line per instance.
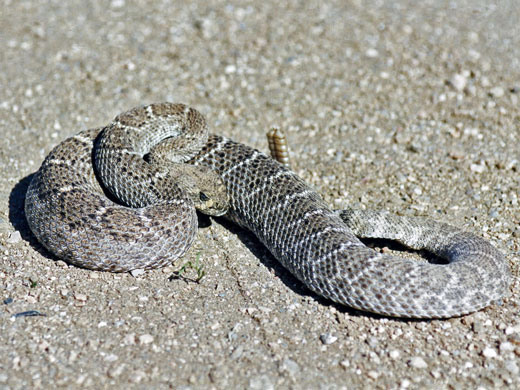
(212, 207)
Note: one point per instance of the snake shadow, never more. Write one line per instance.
(268, 260)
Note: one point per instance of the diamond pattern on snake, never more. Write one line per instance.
(125, 196)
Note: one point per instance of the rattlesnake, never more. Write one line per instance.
(78, 219)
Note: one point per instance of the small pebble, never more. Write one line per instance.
(81, 379)
(506, 346)
(459, 81)
(115, 371)
(371, 53)
(477, 168)
(512, 329)
(373, 342)
(111, 358)
(497, 92)
(137, 376)
(230, 69)
(394, 354)
(80, 297)
(473, 55)
(489, 353)
(456, 154)
(137, 272)
(373, 374)
(493, 213)
(44, 346)
(417, 362)
(73, 356)
(291, 367)
(167, 270)
(14, 237)
(145, 339)
(237, 352)
(512, 367)
(117, 3)
(327, 338)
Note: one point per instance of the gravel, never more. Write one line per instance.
(417, 362)
(406, 106)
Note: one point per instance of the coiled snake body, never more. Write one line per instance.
(79, 220)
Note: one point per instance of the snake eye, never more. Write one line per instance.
(203, 197)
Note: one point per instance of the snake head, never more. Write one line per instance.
(205, 188)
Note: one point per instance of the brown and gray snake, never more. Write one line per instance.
(123, 197)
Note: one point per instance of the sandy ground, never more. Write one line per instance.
(386, 104)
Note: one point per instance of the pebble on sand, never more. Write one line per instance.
(327, 338)
(489, 353)
(145, 339)
(417, 362)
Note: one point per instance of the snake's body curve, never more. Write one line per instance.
(315, 243)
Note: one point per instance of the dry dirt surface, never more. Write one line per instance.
(408, 106)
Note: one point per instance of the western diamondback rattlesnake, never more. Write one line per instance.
(75, 217)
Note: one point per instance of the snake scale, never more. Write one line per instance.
(120, 198)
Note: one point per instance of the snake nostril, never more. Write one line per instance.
(203, 197)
